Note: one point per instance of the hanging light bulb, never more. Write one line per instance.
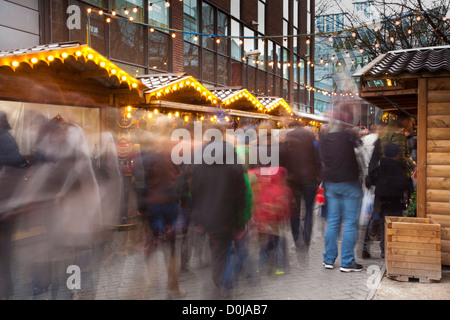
(126, 12)
(218, 40)
(135, 9)
(167, 4)
(330, 38)
(347, 54)
(113, 13)
(392, 39)
(195, 38)
(152, 29)
(409, 31)
(321, 60)
(150, 7)
(308, 41)
(100, 12)
(354, 34)
(361, 50)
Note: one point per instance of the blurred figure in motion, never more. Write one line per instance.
(391, 186)
(219, 198)
(272, 206)
(13, 169)
(303, 178)
(159, 196)
(343, 195)
(109, 180)
(66, 198)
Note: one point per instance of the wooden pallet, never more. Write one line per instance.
(413, 249)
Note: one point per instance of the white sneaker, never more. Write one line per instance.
(328, 266)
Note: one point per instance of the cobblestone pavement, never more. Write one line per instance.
(120, 271)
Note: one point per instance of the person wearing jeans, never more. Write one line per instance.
(343, 207)
(343, 192)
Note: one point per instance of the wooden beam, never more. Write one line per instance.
(422, 148)
(385, 92)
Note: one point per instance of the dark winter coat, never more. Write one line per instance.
(218, 195)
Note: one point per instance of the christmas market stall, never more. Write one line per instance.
(49, 88)
(417, 82)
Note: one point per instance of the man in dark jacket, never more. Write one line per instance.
(299, 157)
(391, 185)
(218, 202)
(343, 195)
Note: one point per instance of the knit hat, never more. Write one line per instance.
(391, 150)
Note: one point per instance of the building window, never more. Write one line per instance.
(249, 45)
(191, 21)
(158, 14)
(128, 9)
(235, 8)
(261, 16)
(236, 46)
(208, 25)
(295, 14)
(158, 51)
(222, 30)
(208, 66)
(286, 9)
(223, 65)
(127, 41)
(191, 60)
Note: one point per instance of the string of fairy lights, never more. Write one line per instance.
(334, 60)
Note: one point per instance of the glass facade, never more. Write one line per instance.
(218, 48)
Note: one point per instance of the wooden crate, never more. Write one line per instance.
(444, 221)
(413, 249)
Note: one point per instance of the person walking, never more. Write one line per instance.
(301, 162)
(391, 186)
(393, 133)
(343, 193)
(12, 170)
(218, 201)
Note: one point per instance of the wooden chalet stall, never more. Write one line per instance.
(417, 81)
(72, 82)
(69, 79)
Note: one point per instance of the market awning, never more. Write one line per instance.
(390, 82)
(176, 87)
(90, 63)
(64, 73)
(272, 103)
(237, 98)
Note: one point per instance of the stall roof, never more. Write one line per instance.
(237, 96)
(167, 87)
(412, 61)
(399, 72)
(81, 57)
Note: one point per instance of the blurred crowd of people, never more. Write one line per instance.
(364, 176)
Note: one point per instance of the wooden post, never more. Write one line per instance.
(422, 104)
